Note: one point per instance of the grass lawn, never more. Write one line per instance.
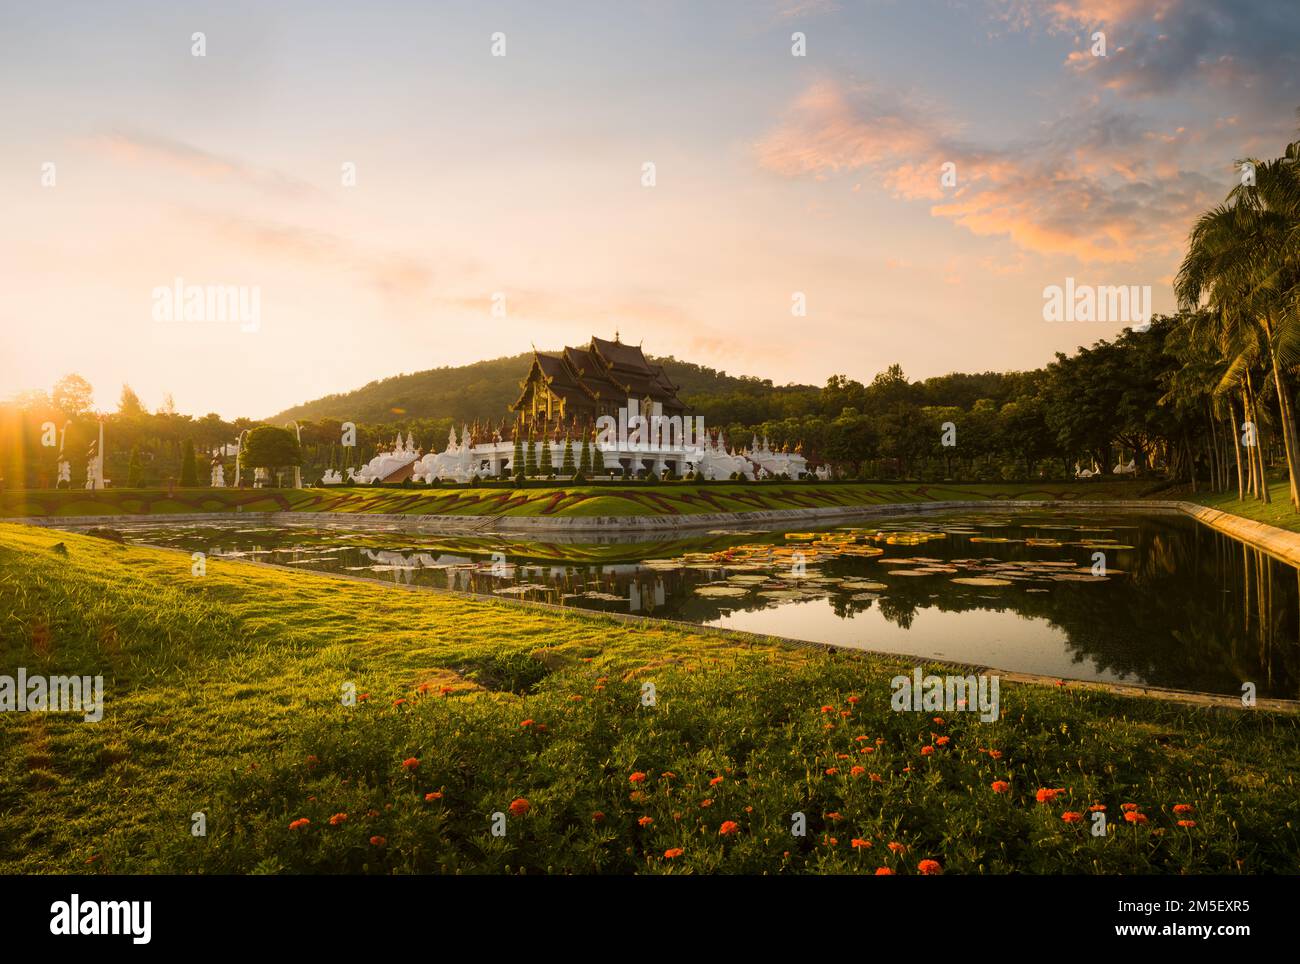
(223, 697)
(581, 500)
(1276, 513)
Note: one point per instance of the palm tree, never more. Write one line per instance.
(1242, 260)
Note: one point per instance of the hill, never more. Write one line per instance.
(486, 389)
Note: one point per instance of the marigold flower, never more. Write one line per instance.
(843, 756)
(929, 867)
(378, 841)
(598, 816)
(861, 739)
(312, 760)
(831, 771)
(942, 741)
(1096, 807)
(674, 852)
(637, 777)
(1001, 786)
(854, 699)
(884, 872)
(868, 749)
(399, 701)
(1187, 823)
(646, 821)
(995, 754)
(828, 709)
(526, 723)
(337, 819)
(363, 697)
(706, 803)
(859, 844)
(1071, 816)
(1182, 808)
(445, 690)
(520, 806)
(896, 847)
(1127, 807)
(875, 778)
(300, 823)
(926, 750)
(1045, 795)
(728, 828)
(668, 775)
(834, 816)
(939, 720)
(1134, 817)
(716, 780)
(435, 795)
(410, 763)
(857, 771)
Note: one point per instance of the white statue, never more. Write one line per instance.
(65, 473)
(218, 474)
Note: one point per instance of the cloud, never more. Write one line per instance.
(1157, 46)
(1099, 186)
(147, 150)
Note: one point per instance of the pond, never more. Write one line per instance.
(1153, 599)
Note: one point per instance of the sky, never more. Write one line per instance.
(398, 186)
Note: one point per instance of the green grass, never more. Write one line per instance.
(1278, 512)
(581, 500)
(223, 698)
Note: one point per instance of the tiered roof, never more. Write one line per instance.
(602, 375)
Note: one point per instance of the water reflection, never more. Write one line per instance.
(1179, 605)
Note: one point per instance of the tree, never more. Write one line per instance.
(567, 467)
(517, 460)
(129, 403)
(545, 468)
(584, 461)
(189, 468)
(530, 457)
(135, 472)
(597, 460)
(72, 395)
(267, 447)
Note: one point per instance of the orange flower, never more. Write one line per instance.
(939, 720)
(929, 867)
(834, 816)
(598, 816)
(1001, 786)
(646, 821)
(728, 828)
(300, 823)
(861, 739)
(636, 796)
(575, 698)
(1128, 807)
(435, 795)
(668, 775)
(399, 702)
(525, 723)
(1182, 808)
(884, 872)
(674, 852)
(706, 803)
(312, 760)
(854, 699)
(1097, 807)
(942, 741)
(859, 844)
(1044, 795)
(378, 841)
(715, 781)
(842, 756)
(1187, 823)
(1134, 817)
(828, 709)
(831, 771)
(926, 750)
(637, 777)
(445, 690)
(846, 713)
(410, 763)
(858, 771)
(868, 749)
(520, 806)
(1070, 816)
(875, 778)
(422, 689)
(337, 819)
(896, 847)
(363, 697)
(995, 754)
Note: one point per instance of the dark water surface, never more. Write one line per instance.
(1180, 605)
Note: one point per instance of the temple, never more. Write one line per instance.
(606, 399)
(579, 385)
